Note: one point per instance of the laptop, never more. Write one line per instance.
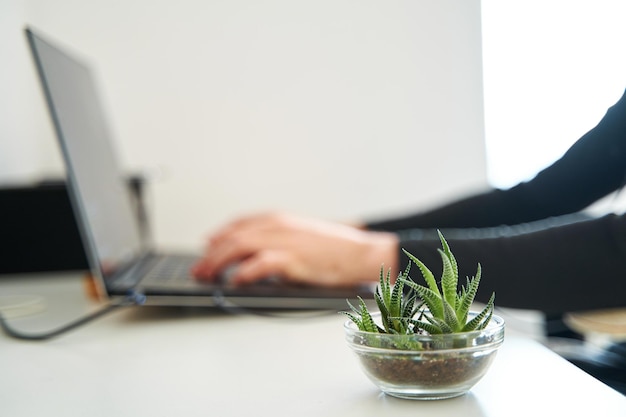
(121, 258)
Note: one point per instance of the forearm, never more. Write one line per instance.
(574, 267)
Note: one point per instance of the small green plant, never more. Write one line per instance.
(424, 309)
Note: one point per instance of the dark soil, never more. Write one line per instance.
(434, 372)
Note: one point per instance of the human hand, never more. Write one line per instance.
(299, 250)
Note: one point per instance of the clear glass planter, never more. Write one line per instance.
(426, 366)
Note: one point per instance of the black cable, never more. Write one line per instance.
(223, 303)
(130, 300)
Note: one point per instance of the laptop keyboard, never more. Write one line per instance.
(171, 269)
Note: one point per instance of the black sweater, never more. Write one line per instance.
(544, 259)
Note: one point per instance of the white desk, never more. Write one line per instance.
(170, 362)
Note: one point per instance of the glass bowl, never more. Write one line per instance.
(426, 367)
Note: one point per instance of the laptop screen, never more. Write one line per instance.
(101, 199)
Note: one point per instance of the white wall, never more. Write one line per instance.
(25, 146)
(332, 108)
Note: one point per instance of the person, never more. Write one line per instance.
(535, 251)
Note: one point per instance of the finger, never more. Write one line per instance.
(201, 271)
(263, 265)
(233, 249)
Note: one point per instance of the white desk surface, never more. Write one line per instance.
(146, 361)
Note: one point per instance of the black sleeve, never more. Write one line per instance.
(592, 168)
(575, 267)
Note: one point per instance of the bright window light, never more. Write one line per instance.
(551, 70)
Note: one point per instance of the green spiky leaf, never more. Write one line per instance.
(468, 295)
(429, 277)
(480, 320)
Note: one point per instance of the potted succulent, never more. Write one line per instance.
(425, 342)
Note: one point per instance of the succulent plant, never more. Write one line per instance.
(407, 307)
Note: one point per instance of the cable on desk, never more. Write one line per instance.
(224, 304)
(130, 300)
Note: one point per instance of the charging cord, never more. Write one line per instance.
(136, 299)
(222, 302)
(131, 299)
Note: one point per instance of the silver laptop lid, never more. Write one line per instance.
(101, 199)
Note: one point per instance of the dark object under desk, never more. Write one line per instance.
(38, 230)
